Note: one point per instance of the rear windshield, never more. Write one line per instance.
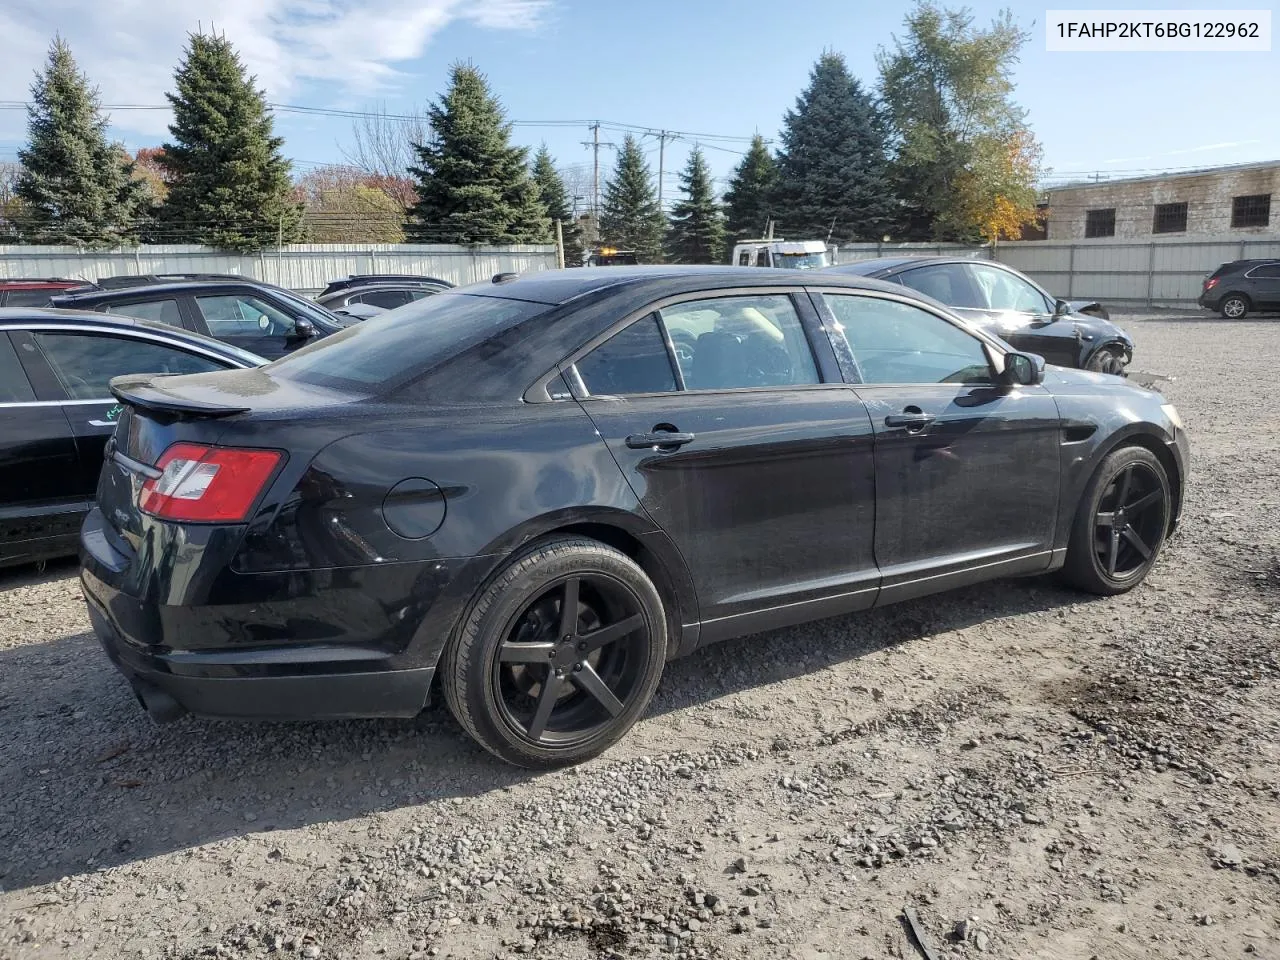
(405, 343)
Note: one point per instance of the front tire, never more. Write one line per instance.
(1107, 360)
(1120, 524)
(559, 655)
(1234, 307)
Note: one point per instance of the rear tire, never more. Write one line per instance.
(1120, 524)
(542, 684)
(1234, 307)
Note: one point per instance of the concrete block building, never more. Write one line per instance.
(1214, 202)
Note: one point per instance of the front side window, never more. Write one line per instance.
(894, 342)
(84, 363)
(161, 311)
(727, 343)
(1001, 290)
(241, 315)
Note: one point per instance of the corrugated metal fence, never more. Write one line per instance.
(305, 267)
(1160, 273)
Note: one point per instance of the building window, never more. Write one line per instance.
(1100, 223)
(1251, 211)
(1170, 218)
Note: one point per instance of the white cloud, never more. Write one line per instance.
(129, 48)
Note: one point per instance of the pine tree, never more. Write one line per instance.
(832, 172)
(750, 197)
(629, 214)
(695, 233)
(229, 184)
(75, 186)
(556, 199)
(473, 185)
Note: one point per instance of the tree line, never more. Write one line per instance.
(936, 150)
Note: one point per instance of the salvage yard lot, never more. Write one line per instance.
(1036, 772)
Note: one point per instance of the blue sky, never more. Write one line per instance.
(703, 66)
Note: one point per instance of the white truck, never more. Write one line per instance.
(796, 254)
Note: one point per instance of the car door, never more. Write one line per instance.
(1264, 283)
(41, 498)
(967, 468)
(250, 322)
(1023, 315)
(74, 368)
(746, 449)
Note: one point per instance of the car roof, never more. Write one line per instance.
(886, 264)
(149, 291)
(388, 285)
(18, 317)
(560, 286)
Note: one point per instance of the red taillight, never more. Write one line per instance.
(1211, 283)
(207, 484)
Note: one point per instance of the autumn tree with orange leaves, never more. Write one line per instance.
(965, 163)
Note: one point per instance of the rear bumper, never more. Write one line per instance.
(267, 685)
(314, 645)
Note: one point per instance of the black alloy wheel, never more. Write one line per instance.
(1121, 523)
(560, 655)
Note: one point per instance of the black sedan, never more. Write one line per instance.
(56, 412)
(260, 317)
(565, 479)
(1012, 306)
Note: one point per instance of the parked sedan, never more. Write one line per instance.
(56, 412)
(524, 490)
(1237, 288)
(1013, 307)
(259, 317)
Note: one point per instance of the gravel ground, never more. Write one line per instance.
(1034, 773)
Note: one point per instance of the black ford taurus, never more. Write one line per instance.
(539, 490)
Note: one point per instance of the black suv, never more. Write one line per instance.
(1237, 287)
(263, 319)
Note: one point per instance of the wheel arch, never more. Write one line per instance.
(1148, 436)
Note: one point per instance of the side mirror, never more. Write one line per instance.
(1061, 308)
(304, 329)
(1023, 369)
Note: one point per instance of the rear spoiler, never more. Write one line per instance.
(144, 393)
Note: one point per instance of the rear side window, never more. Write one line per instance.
(1268, 271)
(387, 299)
(84, 363)
(28, 298)
(162, 311)
(633, 360)
(395, 347)
(948, 283)
(14, 387)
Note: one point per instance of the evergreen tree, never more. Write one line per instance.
(695, 232)
(832, 171)
(75, 186)
(229, 184)
(556, 199)
(629, 214)
(473, 185)
(750, 197)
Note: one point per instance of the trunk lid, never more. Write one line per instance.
(250, 408)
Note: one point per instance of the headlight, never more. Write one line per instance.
(1171, 412)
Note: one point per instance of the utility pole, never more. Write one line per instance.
(662, 155)
(595, 144)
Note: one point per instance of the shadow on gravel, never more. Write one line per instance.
(90, 781)
(30, 574)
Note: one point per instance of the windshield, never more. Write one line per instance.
(404, 343)
(800, 261)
